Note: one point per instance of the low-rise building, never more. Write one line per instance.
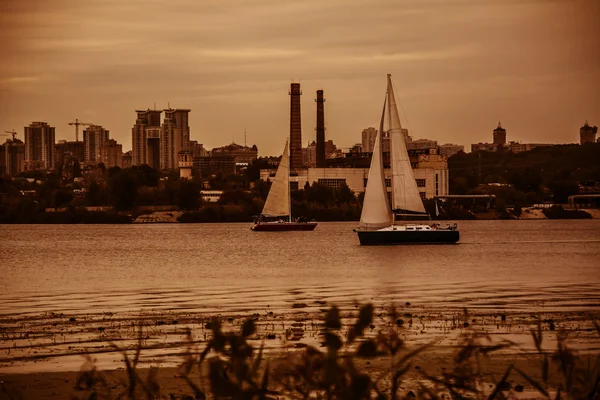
(211, 196)
(309, 155)
(491, 147)
(239, 153)
(430, 170)
(449, 149)
(214, 165)
(517, 147)
(430, 181)
(421, 144)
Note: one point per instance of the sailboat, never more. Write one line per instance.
(378, 224)
(277, 211)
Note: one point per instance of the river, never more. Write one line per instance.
(513, 265)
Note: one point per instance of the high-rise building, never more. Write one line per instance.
(499, 135)
(126, 160)
(140, 154)
(295, 127)
(112, 154)
(152, 147)
(175, 137)
(64, 149)
(320, 150)
(39, 146)
(12, 157)
(368, 139)
(587, 134)
(94, 137)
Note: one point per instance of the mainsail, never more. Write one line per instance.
(278, 199)
(405, 194)
(376, 212)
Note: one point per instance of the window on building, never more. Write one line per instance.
(293, 185)
(365, 180)
(388, 182)
(422, 194)
(335, 183)
(420, 182)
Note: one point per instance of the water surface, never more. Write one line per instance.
(518, 265)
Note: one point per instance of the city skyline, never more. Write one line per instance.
(513, 62)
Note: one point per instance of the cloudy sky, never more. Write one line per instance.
(458, 66)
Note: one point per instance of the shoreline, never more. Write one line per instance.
(168, 217)
(39, 367)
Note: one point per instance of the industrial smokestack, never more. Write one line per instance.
(295, 127)
(320, 129)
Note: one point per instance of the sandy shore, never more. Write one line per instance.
(41, 354)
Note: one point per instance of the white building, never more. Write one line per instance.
(211, 196)
(430, 181)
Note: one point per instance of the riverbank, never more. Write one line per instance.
(102, 217)
(43, 353)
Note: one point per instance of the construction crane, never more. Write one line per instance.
(13, 133)
(77, 123)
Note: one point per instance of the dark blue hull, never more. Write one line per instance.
(374, 238)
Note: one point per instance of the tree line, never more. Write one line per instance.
(544, 174)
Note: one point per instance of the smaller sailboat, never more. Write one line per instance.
(378, 219)
(277, 211)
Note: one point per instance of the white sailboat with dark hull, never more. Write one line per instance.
(277, 211)
(378, 220)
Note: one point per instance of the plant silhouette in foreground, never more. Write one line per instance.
(341, 370)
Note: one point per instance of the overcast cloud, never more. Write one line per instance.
(458, 66)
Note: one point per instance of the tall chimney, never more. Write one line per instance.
(295, 127)
(320, 130)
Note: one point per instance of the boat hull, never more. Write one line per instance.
(284, 226)
(374, 238)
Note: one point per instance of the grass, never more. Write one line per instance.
(228, 366)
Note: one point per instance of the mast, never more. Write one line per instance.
(405, 193)
(278, 199)
(376, 212)
(289, 188)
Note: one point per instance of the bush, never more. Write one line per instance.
(558, 212)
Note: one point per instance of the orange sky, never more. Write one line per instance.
(458, 66)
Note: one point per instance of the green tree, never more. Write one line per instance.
(528, 180)
(123, 189)
(61, 197)
(345, 195)
(76, 169)
(188, 195)
(94, 194)
(562, 190)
